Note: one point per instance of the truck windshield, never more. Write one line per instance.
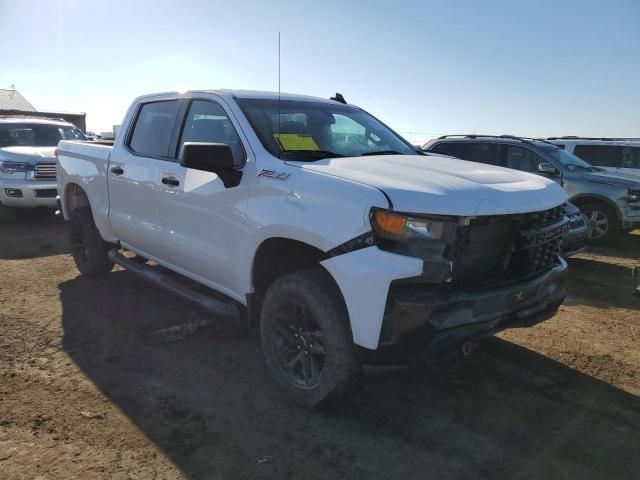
(569, 160)
(36, 134)
(309, 131)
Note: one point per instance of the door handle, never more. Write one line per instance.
(170, 181)
(117, 170)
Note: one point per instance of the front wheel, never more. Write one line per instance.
(603, 223)
(89, 250)
(306, 338)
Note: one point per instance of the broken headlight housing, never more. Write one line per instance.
(416, 235)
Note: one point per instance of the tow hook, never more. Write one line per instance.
(468, 347)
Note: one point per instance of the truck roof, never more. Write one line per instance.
(255, 94)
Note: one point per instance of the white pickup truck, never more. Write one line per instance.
(330, 231)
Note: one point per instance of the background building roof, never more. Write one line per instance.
(12, 100)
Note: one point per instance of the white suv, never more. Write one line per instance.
(620, 155)
(28, 162)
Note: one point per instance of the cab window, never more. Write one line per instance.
(152, 131)
(207, 121)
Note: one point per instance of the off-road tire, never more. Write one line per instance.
(7, 215)
(613, 227)
(341, 373)
(88, 249)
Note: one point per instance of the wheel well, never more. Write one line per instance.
(593, 199)
(75, 197)
(274, 258)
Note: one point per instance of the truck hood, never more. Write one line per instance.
(444, 185)
(30, 155)
(613, 178)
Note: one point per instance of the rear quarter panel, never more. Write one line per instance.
(86, 165)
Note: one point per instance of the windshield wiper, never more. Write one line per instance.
(310, 155)
(381, 152)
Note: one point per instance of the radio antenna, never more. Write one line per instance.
(279, 140)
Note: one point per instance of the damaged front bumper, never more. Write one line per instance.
(420, 324)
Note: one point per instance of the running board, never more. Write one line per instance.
(218, 307)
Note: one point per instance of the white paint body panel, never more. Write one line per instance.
(364, 277)
(447, 186)
(211, 233)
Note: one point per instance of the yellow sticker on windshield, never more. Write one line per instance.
(295, 141)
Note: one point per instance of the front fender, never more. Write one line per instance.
(364, 277)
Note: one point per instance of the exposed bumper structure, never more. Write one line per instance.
(28, 193)
(400, 322)
(419, 323)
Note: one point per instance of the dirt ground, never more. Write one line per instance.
(86, 390)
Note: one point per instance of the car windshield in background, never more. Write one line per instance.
(304, 130)
(36, 134)
(569, 160)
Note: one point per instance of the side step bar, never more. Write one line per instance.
(218, 307)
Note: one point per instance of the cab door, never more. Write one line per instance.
(133, 171)
(201, 222)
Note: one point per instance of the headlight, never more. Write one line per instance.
(13, 167)
(402, 227)
(633, 195)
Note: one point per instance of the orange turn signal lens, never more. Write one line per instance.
(390, 222)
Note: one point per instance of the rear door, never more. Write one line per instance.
(133, 173)
(201, 221)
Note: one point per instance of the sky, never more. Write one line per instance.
(426, 68)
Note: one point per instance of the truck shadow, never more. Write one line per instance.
(626, 246)
(600, 284)
(35, 233)
(209, 403)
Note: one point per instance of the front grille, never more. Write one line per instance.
(46, 193)
(505, 248)
(45, 170)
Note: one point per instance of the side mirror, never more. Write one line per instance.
(547, 169)
(211, 157)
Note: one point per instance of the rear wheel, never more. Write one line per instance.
(7, 215)
(306, 338)
(88, 249)
(603, 223)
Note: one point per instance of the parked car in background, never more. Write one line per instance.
(620, 155)
(338, 238)
(28, 162)
(576, 240)
(610, 201)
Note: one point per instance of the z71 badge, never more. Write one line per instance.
(273, 174)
